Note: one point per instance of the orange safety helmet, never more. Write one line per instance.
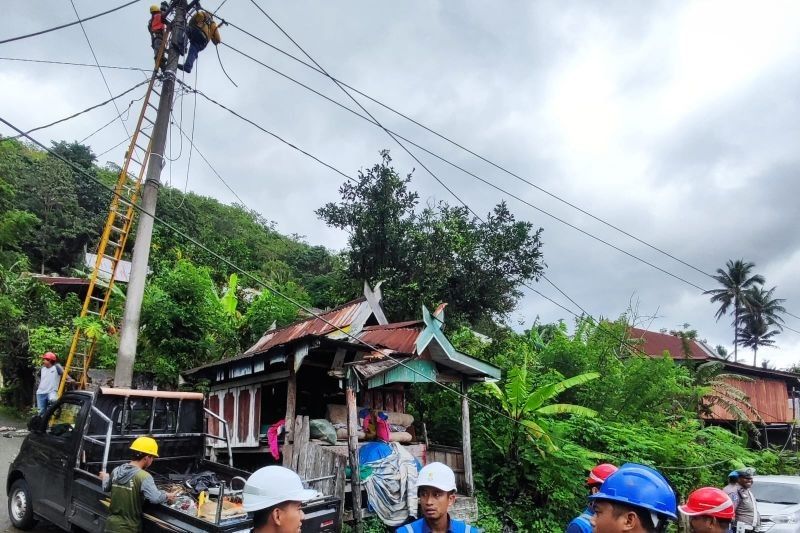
(709, 501)
(50, 356)
(599, 473)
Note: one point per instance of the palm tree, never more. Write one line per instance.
(761, 303)
(735, 280)
(755, 332)
(529, 409)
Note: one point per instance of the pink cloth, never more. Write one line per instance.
(272, 438)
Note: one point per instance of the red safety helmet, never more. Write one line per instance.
(50, 356)
(599, 473)
(709, 501)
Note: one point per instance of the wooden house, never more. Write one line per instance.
(330, 366)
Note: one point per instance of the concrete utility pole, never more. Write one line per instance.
(126, 355)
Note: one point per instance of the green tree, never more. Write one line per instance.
(755, 332)
(437, 254)
(735, 279)
(16, 226)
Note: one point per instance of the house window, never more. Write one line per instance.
(241, 370)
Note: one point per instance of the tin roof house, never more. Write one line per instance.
(331, 366)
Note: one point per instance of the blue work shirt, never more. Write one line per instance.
(453, 526)
(581, 523)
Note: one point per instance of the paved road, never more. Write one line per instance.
(8, 450)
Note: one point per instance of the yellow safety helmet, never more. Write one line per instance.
(154, 9)
(146, 445)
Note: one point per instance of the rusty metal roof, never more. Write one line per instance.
(769, 397)
(400, 337)
(339, 317)
(655, 344)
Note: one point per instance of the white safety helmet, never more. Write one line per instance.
(272, 485)
(437, 475)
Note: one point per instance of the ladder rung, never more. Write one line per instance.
(117, 229)
(151, 105)
(142, 149)
(95, 299)
(93, 312)
(114, 244)
(141, 132)
(148, 120)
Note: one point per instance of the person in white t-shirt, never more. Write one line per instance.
(49, 378)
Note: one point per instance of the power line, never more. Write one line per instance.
(295, 302)
(102, 74)
(71, 64)
(107, 124)
(79, 21)
(389, 133)
(469, 173)
(470, 151)
(74, 115)
(274, 135)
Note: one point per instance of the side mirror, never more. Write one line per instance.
(35, 423)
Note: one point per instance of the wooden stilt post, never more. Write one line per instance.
(466, 440)
(352, 447)
(288, 420)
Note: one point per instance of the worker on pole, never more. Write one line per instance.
(157, 26)
(274, 495)
(598, 475)
(710, 510)
(634, 499)
(200, 29)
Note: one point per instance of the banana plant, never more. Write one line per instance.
(529, 409)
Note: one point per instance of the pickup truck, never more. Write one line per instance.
(55, 475)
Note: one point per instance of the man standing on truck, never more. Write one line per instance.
(436, 487)
(130, 485)
(274, 495)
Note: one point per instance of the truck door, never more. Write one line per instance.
(54, 452)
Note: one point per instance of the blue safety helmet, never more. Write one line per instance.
(734, 474)
(640, 486)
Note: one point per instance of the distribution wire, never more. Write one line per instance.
(79, 21)
(71, 64)
(374, 120)
(600, 325)
(468, 150)
(320, 70)
(99, 68)
(472, 174)
(110, 122)
(298, 304)
(91, 108)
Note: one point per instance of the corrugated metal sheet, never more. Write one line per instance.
(768, 396)
(656, 343)
(399, 338)
(416, 371)
(341, 317)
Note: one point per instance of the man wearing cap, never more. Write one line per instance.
(49, 378)
(744, 502)
(131, 485)
(733, 483)
(634, 499)
(598, 474)
(274, 495)
(709, 509)
(436, 488)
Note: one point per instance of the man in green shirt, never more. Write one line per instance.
(130, 485)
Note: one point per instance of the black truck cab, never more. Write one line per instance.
(55, 476)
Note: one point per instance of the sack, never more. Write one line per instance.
(319, 428)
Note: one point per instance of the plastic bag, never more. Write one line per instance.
(185, 504)
(319, 428)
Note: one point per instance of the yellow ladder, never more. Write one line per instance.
(113, 239)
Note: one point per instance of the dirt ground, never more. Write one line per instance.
(8, 450)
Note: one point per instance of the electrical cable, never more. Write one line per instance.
(295, 302)
(79, 21)
(472, 174)
(91, 108)
(110, 122)
(67, 63)
(469, 151)
(214, 170)
(389, 133)
(191, 144)
(274, 135)
(102, 74)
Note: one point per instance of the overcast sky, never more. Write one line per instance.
(678, 122)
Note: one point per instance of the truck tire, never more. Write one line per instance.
(20, 505)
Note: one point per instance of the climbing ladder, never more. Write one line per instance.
(113, 239)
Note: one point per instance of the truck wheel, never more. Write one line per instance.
(20, 505)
